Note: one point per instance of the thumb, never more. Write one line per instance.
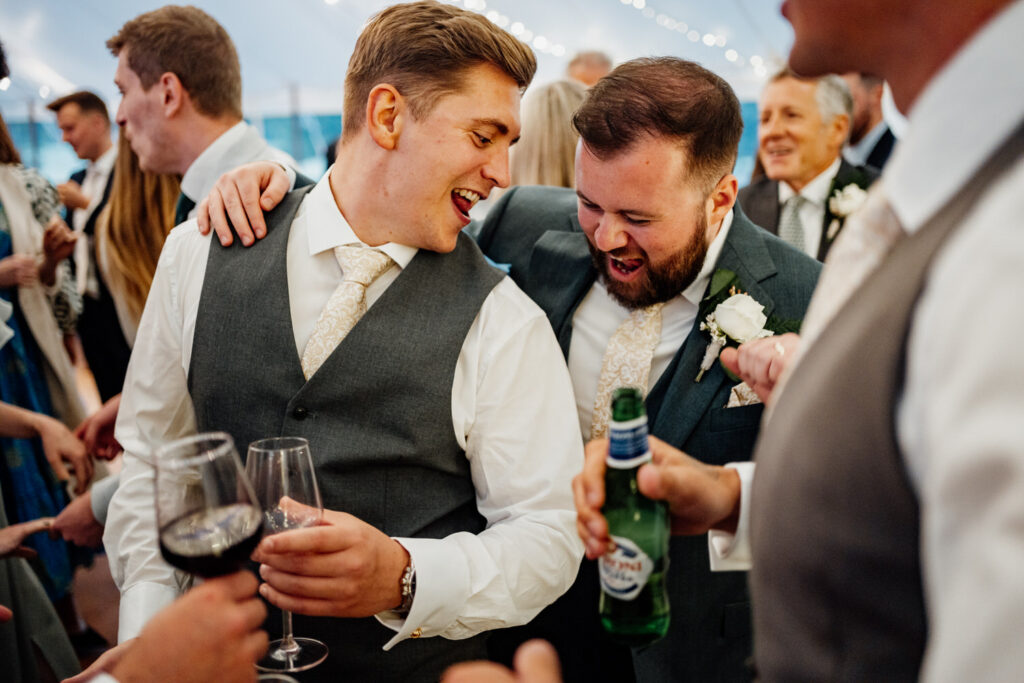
(730, 358)
(537, 662)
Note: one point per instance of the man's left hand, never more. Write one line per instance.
(13, 536)
(71, 195)
(342, 568)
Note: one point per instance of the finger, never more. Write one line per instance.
(60, 470)
(308, 606)
(25, 552)
(730, 359)
(331, 538)
(36, 525)
(238, 586)
(218, 220)
(593, 471)
(474, 672)
(537, 662)
(255, 645)
(276, 190)
(236, 212)
(324, 586)
(253, 223)
(203, 216)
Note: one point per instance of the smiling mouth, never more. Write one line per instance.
(464, 200)
(625, 267)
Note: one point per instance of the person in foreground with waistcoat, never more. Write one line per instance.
(650, 223)
(441, 421)
(884, 514)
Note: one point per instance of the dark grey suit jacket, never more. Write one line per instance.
(536, 232)
(760, 201)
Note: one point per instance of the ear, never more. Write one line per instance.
(720, 202)
(386, 110)
(838, 131)
(172, 94)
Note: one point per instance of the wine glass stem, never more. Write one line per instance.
(288, 644)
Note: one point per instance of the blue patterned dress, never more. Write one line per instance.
(30, 489)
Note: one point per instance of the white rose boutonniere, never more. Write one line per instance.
(740, 319)
(842, 203)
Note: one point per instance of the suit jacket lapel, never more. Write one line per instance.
(560, 273)
(677, 403)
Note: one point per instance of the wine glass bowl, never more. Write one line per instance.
(207, 513)
(282, 475)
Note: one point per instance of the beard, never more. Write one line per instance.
(660, 282)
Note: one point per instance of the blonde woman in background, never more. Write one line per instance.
(130, 232)
(546, 152)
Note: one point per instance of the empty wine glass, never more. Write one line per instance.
(282, 474)
(207, 513)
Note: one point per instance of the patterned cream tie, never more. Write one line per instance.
(360, 267)
(869, 235)
(627, 362)
(791, 228)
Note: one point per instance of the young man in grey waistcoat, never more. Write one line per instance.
(442, 424)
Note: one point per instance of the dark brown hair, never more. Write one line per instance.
(670, 97)
(86, 101)
(189, 43)
(424, 49)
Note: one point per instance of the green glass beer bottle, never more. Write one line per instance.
(634, 603)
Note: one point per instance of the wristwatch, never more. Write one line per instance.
(407, 584)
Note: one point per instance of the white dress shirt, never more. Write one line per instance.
(512, 410)
(599, 315)
(97, 173)
(812, 213)
(959, 418)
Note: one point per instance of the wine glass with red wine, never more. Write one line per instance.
(207, 513)
(282, 474)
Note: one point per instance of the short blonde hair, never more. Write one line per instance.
(546, 152)
(424, 49)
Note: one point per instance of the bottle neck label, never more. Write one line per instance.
(625, 570)
(628, 444)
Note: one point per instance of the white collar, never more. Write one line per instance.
(327, 227)
(210, 164)
(858, 154)
(815, 191)
(958, 121)
(105, 162)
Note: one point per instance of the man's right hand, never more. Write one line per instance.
(241, 196)
(212, 633)
(761, 362)
(700, 496)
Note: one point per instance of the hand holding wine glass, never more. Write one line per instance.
(282, 474)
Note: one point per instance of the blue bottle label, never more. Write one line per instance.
(625, 570)
(628, 444)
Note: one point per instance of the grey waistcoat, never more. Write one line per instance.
(835, 529)
(378, 412)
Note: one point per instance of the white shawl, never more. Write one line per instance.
(27, 238)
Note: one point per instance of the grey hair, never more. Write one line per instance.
(833, 97)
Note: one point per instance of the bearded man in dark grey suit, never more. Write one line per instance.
(651, 221)
(803, 124)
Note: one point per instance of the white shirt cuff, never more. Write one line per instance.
(441, 588)
(731, 552)
(103, 678)
(139, 604)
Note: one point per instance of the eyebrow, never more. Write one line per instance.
(622, 212)
(494, 123)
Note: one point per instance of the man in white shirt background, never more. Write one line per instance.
(462, 482)
(85, 125)
(803, 124)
